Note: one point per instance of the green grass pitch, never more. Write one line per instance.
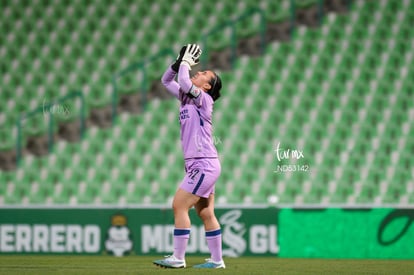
(21, 264)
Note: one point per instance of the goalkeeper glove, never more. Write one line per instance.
(191, 55)
(177, 62)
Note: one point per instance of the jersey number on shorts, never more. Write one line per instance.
(194, 173)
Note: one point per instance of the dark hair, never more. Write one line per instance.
(215, 83)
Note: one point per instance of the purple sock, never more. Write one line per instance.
(214, 244)
(181, 237)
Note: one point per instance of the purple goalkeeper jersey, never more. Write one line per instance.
(195, 115)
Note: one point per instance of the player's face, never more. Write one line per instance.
(202, 79)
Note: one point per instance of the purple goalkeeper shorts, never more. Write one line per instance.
(201, 176)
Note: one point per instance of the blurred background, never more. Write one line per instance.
(84, 119)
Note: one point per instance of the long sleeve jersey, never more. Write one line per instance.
(195, 114)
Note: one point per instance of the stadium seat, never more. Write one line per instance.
(341, 93)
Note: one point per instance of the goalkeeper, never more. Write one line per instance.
(202, 166)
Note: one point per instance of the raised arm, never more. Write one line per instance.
(189, 56)
(184, 80)
(168, 81)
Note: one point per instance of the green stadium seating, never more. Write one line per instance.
(342, 93)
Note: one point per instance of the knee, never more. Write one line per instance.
(176, 206)
(206, 214)
(179, 207)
